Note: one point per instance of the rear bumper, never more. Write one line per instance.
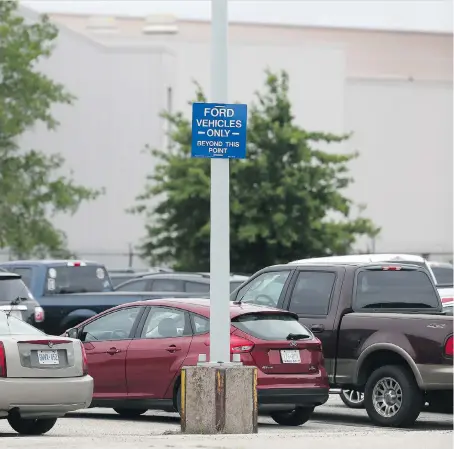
(436, 377)
(48, 397)
(289, 398)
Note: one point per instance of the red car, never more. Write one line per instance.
(135, 353)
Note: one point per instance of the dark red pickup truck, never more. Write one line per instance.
(382, 326)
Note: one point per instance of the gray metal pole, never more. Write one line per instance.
(219, 212)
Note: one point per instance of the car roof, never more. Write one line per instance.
(433, 263)
(53, 262)
(202, 306)
(7, 275)
(198, 277)
(362, 258)
(335, 263)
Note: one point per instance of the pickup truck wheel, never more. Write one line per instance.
(352, 398)
(130, 412)
(392, 398)
(296, 417)
(25, 426)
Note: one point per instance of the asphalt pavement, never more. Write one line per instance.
(333, 425)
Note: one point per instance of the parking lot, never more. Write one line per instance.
(333, 425)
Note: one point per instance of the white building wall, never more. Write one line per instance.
(404, 174)
(393, 90)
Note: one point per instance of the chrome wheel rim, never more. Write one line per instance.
(353, 396)
(387, 397)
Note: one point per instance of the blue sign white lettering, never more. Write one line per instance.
(219, 130)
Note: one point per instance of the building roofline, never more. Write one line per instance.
(268, 24)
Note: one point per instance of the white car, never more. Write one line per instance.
(42, 377)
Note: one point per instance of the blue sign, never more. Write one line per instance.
(219, 130)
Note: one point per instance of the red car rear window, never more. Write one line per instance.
(267, 326)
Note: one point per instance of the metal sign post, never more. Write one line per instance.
(219, 133)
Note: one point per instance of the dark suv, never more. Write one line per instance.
(175, 282)
(17, 300)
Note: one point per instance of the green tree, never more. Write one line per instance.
(32, 190)
(286, 198)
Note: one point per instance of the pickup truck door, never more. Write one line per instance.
(314, 294)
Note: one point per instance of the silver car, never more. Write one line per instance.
(42, 377)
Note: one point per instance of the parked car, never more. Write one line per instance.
(175, 282)
(136, 351)
(41, 377)
(443, 272)
(70, 291)
(17, 300)
(382, 327)
(118, 276)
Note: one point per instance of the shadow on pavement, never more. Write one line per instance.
(113, 417)
(363, 420)
(321, 417)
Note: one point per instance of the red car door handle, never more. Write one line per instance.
(173, 348)
(113, 351)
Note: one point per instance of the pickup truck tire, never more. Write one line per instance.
(25, 426)
(392, 397)
(296, 417)
(130, 412)
(352, 398)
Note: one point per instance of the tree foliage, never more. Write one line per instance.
(286, 198)
(32, 190)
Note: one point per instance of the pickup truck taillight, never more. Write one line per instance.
(449, 346)
(39, 314)
(2, 360)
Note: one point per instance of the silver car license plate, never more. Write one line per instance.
(48, 357)
(290, 356)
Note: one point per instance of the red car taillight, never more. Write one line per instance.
(2, 360)
(39, 314)
(239, 345)
(449, 346)
(84, 360)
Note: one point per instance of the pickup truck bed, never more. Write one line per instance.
(57, 285)
(65, 311)
(382, 327)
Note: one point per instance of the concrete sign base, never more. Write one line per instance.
(219, 399)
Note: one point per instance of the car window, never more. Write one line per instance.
(13, 326)
(234, 285)
(167, 285)
(395, 289)
(114, 326)
(12, 288)
(312, 293)
(26, 275)
(268, 326)
(201, 325)
(197, 287)
(62, 279)
(165, 322)
(443, 275)
(265, 289)
(133, 286)
(118, 279)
